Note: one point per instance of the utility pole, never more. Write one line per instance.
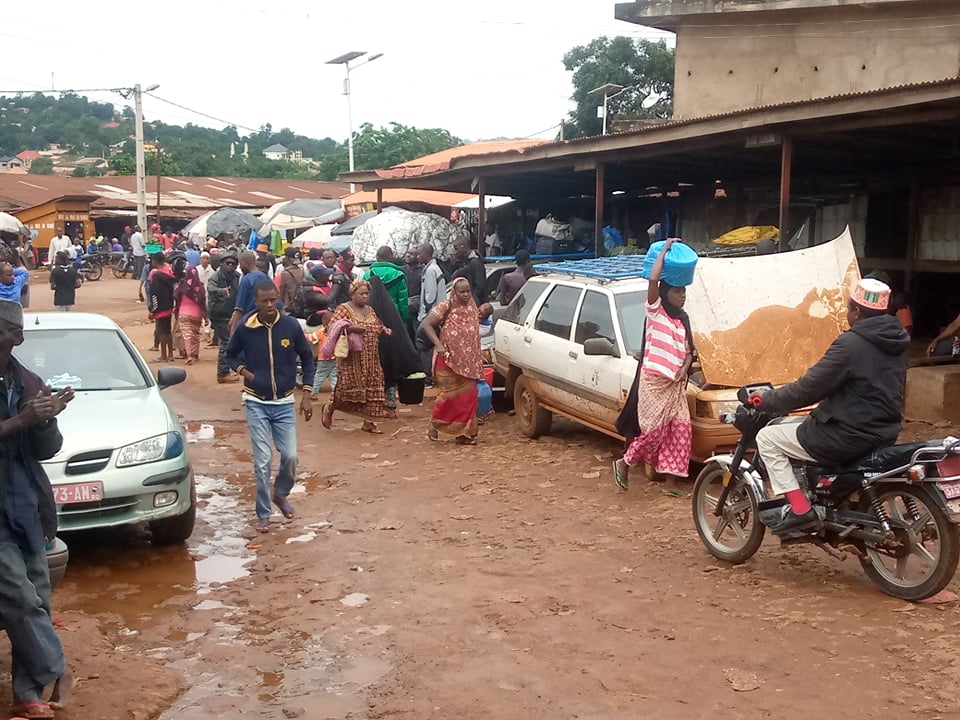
(141, 171)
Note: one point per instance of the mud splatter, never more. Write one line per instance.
(776, 343)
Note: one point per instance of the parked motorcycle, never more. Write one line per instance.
(89, 267)
(121, 264)
(897, 510)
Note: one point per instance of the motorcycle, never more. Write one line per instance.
(121, 264)
(896, 510)
(89, 267)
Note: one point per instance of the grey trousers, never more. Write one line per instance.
(37, 655)
(777, 445)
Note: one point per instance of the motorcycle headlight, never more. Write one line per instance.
(159, 447)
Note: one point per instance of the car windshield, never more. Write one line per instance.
(84, 359)
(631, 313)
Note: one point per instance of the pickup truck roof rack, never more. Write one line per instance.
(619, 267)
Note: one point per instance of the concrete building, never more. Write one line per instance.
(736, 54)
(276, 152)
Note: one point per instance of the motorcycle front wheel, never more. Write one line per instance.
(736, 533)
(94, 272)
(922, 556)
(118, 270)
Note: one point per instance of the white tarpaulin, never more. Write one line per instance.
(403, 230)
(303, 213)
(770, 317)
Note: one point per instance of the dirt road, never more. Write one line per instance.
(507, 580)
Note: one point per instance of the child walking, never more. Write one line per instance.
(326, 366)
(64, 281)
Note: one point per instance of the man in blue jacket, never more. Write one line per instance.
(263, 350)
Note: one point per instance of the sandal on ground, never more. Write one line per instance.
(285, 507)
(263, 525)
(34, 710)
(675, 492)
(326, 416)
(464, 440)
(432, 434)
(369, 427)
(619, 477)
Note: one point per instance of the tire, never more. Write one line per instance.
(534, 420)
(917, 534)
(118, 271)
(95, 272)
(175, 530)
(739, 521)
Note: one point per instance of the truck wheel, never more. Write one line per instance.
(534, 420)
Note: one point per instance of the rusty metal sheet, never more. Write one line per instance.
(770, 317)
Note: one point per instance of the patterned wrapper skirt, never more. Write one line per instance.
(455, 410)
(190, 329)
(665, 430)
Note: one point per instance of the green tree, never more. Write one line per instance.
(643, 68)
(79, 171)
(41, 166)
(124, 164)
(386, 146)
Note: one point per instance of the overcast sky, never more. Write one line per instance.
(480, 70)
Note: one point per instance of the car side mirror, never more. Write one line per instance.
(598, 346)
(167, 376)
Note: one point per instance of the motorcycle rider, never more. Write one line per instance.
(859, 385)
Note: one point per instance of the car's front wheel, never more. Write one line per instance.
(175, 530)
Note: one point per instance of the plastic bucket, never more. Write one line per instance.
(410, 391)
(678, 265)
(488, 375)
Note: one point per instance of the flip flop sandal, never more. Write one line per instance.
(34, 711)
(285, 507)
(622, 481)
(371, 428)
(432, 434)
(676, 492)
(326, 416)
(263, 525)
(464, 440)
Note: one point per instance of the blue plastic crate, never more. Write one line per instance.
(619, 267)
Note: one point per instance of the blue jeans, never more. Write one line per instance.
(325, 369)
(280, 422)
(37, 656)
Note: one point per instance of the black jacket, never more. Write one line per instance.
(38, 442)
(398, 356)
(220, 306)
(859, 384)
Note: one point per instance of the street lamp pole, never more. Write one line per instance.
(345, 60)
(141, 170)
(609, 90)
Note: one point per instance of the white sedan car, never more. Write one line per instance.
(124, 457)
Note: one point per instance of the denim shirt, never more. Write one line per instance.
(21, 507)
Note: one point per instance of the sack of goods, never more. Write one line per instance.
(678, 264)
(552, 228)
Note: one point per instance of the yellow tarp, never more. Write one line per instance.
(748, 235)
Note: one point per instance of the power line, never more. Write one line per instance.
(202, 114)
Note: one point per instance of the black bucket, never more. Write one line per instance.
(410, 391)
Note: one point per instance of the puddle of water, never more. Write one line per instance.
(197, 432)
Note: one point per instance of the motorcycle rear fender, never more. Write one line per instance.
(752, 477)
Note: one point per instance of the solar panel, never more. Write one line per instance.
(619, 267)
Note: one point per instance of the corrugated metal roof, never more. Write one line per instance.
(176, 193)
(439, 161)
(946, 82)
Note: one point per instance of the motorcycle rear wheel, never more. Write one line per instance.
(118, 271)
(94, 272)
(737, 533)
(931, 546)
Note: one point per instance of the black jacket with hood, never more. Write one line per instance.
(859, 384)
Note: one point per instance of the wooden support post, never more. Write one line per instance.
(598, 212)
(786, 161)
(913, 233)
(379, 200)
(481, 218)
